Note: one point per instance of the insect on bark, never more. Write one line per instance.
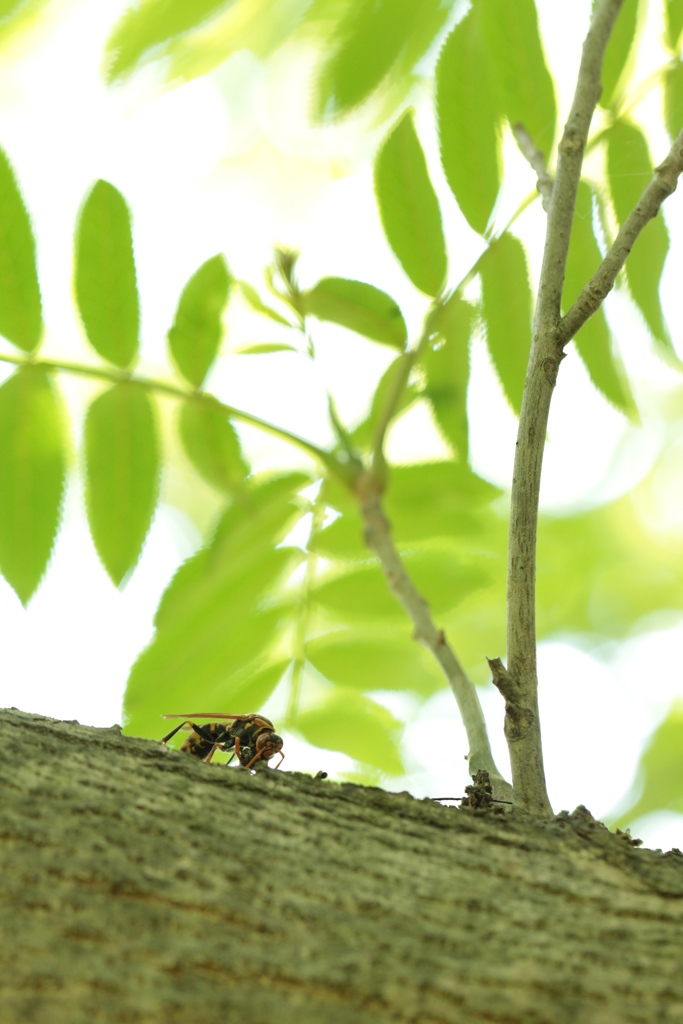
(252, 737)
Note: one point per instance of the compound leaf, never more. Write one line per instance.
(446, 362)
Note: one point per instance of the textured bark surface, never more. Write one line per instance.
(139, 885)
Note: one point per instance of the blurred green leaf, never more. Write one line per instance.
(355, 725)
(468, 118)
(409, 208)
(363, 435)
(197, 328)
(217, 627)
(21, 318)
(506, 300)
(362, 592)
(254, 300)
(673, 17)
(105, 281)
(521, 79)
(593, 342)
(595, 347)
(620, 53)
(659, 782)
(242, 559)
(436, 499)
(360, 307)
(447, 366)
(673, 99)
(263, 349)
(122, 475)
(32, 471)
(201, 665)
(630, 171)
(377, 659)
(364, 45)
(212, 445)
(148, 25)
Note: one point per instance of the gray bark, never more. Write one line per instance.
(140, 885)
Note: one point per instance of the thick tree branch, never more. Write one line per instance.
(663, 184)
(378, 539)
(523, 734)
(536, 159)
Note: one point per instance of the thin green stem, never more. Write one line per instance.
(114, 376)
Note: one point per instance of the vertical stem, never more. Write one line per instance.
(519, 684)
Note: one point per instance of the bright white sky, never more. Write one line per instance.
(205, 174)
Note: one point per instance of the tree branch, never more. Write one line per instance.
(378, 539)
(663, 184)
(535, 157)
(523, 732)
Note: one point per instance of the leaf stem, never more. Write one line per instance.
(345, 472)
(378, 538)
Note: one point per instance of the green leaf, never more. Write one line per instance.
(468, 120)
(593, 342)
(217, 627)
(212, 445)
(521, 78)
(673, 17)
(197, 329)
(377, 659)
(630, 171)
(263, 349)
(254, 300)
(620, 53)
(362, 592)
(673, 99)
(150, 24)
(360, 307)
(363, 435)
(409, 208)
(355, 725)
(32, 471)
(243, 559)
(201, 665)
(21, 319)
(437, 499)
(105, 281)
(447, 366)
(364, 46)
(122, 475)
(595, 346)
(506, 300)
(659, 782)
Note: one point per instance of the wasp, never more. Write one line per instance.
(251, 737)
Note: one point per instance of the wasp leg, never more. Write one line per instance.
(214, 748)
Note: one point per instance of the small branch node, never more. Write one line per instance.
(502, 679)
(544, 183)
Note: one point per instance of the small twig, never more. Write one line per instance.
(522, 728)
(535, 157)
(378, 539)
(663, 184)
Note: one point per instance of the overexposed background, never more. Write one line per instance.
(228, 163)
